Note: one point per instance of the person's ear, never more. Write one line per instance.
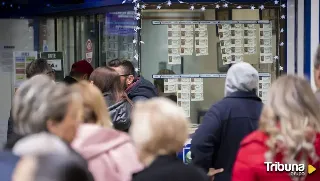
(52, 127)
(85, 77)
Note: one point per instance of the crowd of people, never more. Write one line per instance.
(110, 124)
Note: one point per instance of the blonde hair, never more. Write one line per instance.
(95, 107)
(291, 109)
(158, 127)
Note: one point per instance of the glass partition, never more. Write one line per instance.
(199, 50)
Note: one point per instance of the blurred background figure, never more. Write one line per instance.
(216, 142)
(288, 133)
(108, 81)
(51, 168)
(136, 87)
(110, 154)
(316, 74)
(159, 83)
(154, 130)
(80, 70)
(55, 110)
(38, 66)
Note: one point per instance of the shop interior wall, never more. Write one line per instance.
(18, 34)
(155, 50)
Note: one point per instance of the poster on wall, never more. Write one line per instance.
(183, 94)
(225, 42)
(250, 39)
(196, 89)
(186, 45)
(265, 33)
(174, 43)
(119, 35)
(55, 60)
(89, 50)
(20, 63)
(201, 39)
(263, 87)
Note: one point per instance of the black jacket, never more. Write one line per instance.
(69, 80)
(216, 142)
(141, 89)
(119, 112)
(170, 168)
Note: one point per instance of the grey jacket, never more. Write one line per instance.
(120, 113)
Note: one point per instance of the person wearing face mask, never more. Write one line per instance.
(80, 70)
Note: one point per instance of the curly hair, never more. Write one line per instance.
(291, 109)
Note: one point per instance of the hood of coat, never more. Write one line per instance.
(93, 140)
(241, 77)
(41, 143)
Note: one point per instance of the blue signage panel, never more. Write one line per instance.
(121, 23)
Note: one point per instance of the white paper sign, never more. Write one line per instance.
(55, 64)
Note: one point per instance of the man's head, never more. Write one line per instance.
(241, 77)
(125, 69)
(317, 68)
(81, 70)
(39, 66)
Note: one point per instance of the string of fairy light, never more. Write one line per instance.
(140, 5)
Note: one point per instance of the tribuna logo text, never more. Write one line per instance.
(292, 169)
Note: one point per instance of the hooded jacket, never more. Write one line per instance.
(110, 154)
(141, 89)
(249, 165)
(216, 141)
(119, 113)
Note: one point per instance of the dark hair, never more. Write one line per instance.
(125, 64)
(317, 58)
(38, 66)
(108, 81)
(61, 168)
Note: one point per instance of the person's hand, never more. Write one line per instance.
(213, 171)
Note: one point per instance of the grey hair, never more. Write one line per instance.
(38, 100)
(317, 58)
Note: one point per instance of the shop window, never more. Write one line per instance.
(200, 49)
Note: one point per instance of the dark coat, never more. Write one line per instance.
(216, 142)
(141, 89)
(119, 112)
(170, 168)
(8, 162)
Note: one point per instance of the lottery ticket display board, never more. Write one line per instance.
(189, 87)
(20, 63)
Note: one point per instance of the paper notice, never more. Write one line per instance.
(185, 105)
(265, 33)
(174, 59)
(263, 87)
(170, 85)
(201, 40)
